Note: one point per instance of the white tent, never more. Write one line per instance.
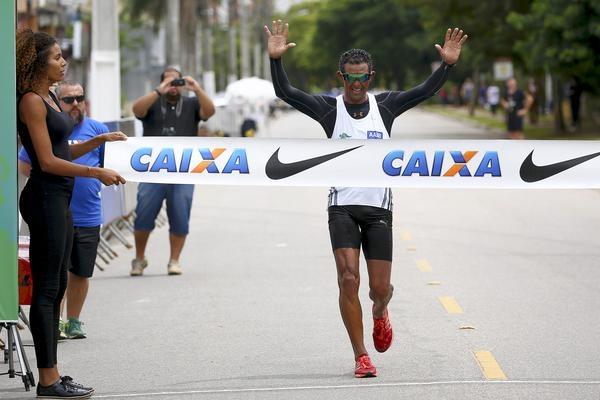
(245, 98)
(250, 90)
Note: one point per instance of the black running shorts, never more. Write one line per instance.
(351, 226)
(85, 248)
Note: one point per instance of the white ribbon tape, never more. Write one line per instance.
(362, 163)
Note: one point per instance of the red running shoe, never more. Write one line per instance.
(382, 332)
(364, 368)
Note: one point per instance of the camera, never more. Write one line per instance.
(178, 82)
(169, 131)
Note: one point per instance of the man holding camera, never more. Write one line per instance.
(166, 112)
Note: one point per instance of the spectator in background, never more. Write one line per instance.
(481, 96)
(535, 104)
(166, 112)
(466, 91)
(516, 103)
(86, 207)
(248, 128)
(493, 98)
(574, 92)
(444, 96)
(454, 97)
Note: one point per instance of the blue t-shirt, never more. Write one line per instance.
(86, 205)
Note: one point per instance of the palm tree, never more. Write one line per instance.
(181, 18)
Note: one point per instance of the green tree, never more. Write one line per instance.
(300, 63)
(391, 30)
(490, 36)
(563, 37)
(139, 10)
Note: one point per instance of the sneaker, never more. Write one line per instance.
(69, 381)
(382, 332)
(61, 330)
(173, 268)
(73, 329)
(137, 266)
(62, 389)
(364, 368)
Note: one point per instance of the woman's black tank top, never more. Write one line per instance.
(60, 125)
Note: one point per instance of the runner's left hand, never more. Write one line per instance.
(452, 46)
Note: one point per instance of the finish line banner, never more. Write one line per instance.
(360, 163)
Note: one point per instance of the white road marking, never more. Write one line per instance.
(355, 386)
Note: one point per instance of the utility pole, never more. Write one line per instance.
(265, 12)
(244, 39)
(77, 66)
(262, 12)
(105, 74)
(188, 18)
(199, 40)
(232, 70)
(207, 54)
(257, 59)
(172, 30)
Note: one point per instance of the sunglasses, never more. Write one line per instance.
(351, 78)
(71, 99)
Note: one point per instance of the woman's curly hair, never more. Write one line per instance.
(32, 57)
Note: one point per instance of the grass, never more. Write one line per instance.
(543, 130)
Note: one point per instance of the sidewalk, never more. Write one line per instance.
(419, 123)
(542, 130)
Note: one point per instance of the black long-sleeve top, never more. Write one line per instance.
(323, 108)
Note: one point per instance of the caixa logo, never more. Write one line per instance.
(189, 160)
(394, 163)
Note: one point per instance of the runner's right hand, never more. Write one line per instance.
(107, 176)
(277, 40)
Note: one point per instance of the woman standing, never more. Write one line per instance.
(44, 129)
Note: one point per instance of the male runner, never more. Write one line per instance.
(360, 215)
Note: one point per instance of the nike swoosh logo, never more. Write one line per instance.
(276, 169)
(533, 173)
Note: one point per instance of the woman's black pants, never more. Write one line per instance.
(45, 208)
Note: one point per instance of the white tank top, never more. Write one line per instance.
(369, 127)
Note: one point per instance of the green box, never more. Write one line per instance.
(9, 295)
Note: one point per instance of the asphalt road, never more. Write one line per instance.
(510, 277)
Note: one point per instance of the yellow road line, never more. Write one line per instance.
(424, 265)
(489, 366)
(450, 305)
(405, 236)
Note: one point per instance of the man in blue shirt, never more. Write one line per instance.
(86, 206)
